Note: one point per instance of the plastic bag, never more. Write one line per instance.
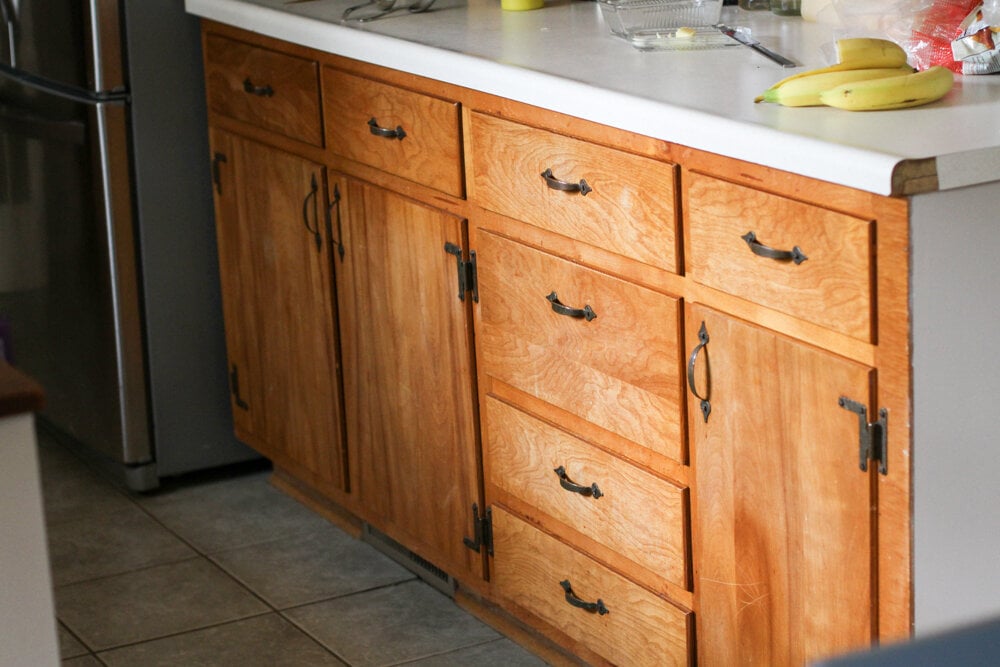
(978, 48)
(924, 28)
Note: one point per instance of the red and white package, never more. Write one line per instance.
(977, 49)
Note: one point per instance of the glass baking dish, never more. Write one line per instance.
(625, 17)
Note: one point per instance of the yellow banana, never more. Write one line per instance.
(898, 92)
(868, 50)
(805, 91)
(858, 53)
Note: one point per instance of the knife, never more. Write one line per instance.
(742, 38)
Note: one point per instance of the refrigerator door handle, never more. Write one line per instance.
(10, 19)
(60, 89)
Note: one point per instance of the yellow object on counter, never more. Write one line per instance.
(521, 5)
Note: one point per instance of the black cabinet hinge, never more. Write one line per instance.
(217, 160)
(234, 388)
(467, 274)
(484, 531)
(872, 436)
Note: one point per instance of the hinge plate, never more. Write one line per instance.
(484, 531)
(468, 278)
(872, 436)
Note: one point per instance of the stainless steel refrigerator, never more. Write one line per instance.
(109, 292)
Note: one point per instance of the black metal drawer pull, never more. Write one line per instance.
(311, 198)
(566, 186)
(706, 406)
(592, 491)
(386, 132)
(795, 254)
(593, 607)
(260, 91)
(585, 313)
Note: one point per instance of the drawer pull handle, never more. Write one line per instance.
(585, 313)
(592, 491)
(386, 132)
(311, 198)
(557, 184)
(593, 607)
(260, 91)
(706, 405)
(795, 254)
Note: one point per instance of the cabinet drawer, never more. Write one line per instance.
(409, 134)
(272, 90)
(633, 512)
(630, 209)
(831, 287)
(619, 370)
(639, 628)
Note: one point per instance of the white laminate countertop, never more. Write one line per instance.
(562, 57)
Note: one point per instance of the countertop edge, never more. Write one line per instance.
(871, 171)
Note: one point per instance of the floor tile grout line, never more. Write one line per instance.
(77, 637)
(181, 633)
(457, 649)
(140, 568)
(316, 639)
(339, 597)
(351, 594)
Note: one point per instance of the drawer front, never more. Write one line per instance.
(831, 287)
(619, 370)
(639, 627)
(634, 513)
(272, 90)
(407, 134)
(630, 210)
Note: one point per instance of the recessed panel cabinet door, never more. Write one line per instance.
(408, 380)
(278, 301)
(783, 522)
(234, 242)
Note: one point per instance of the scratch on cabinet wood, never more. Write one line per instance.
(750, 593)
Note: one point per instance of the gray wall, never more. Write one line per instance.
(956, 378)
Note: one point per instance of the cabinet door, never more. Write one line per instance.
(237, 278)
(278, 296)
(408, 378)
(783, 528)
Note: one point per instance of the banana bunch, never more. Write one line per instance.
(871, 74)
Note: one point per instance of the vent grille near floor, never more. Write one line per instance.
(423, 568)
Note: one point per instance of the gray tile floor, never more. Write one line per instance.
(226, 570)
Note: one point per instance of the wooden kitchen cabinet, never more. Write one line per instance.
(281, 334)
(511, 302)
(784, 515)
(408, 380)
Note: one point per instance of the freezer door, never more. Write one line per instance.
(72, 306)
(71, 50)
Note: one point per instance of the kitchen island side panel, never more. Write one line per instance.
(956, 382)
